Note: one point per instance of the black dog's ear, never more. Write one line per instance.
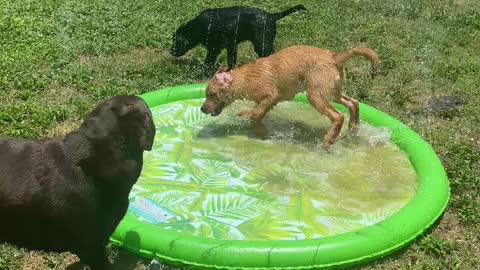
(146, 133)
(93, 127)
(127, 115)
(138, 121)
(123, 109)
(100, 122)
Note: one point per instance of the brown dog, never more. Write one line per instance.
(279, 77)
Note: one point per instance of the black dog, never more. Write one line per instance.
(69, 194)
(221, 28)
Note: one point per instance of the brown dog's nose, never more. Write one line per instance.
(203, 109)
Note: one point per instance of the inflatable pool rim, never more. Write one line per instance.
(341, 250)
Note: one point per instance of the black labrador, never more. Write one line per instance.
(221, 28)
(69, 194)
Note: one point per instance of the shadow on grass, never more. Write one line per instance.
(122, 259)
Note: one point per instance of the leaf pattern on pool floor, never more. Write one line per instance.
(207, 176)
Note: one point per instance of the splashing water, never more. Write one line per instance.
(236, 30)
(209, 27)
(208, 176)
(263, 35)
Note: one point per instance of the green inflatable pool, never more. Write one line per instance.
(212, 196)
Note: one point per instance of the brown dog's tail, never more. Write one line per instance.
(362, 51)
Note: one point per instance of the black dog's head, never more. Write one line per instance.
(183, 41)
(126, 117)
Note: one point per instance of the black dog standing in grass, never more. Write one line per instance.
(221, 28)
(69, 194)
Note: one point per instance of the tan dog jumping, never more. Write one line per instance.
(280, 77)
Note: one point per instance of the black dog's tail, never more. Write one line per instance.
(279, 15)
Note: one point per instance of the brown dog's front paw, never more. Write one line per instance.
(353, 130)
(261, 135)
(261, 132)
(326, 147)
(327, 144)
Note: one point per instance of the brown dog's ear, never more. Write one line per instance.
(222, 68)
(224, 79)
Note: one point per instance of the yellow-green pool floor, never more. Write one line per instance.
(210, 177)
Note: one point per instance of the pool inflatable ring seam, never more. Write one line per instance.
(341, 250)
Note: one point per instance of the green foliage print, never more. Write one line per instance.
(209, 177)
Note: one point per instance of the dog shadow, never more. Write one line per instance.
(296, 132)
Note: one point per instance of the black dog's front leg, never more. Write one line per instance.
(264, 40)
(209, 65)
(95, 258)
(232, 56)
(212, 54)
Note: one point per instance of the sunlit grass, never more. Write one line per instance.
(59, 58)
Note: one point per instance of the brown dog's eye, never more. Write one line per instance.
(211, 94)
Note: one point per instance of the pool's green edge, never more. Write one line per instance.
(342, 250)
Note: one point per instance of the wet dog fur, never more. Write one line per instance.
(279, 77)
(69, 194)
(221, 28)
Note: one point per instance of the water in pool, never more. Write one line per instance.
(210, 177)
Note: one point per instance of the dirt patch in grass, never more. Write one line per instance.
(58, 95)
(449, 246)
(466, 238)
(87, 59)
(68, 259)
(449, 228)
(9, 96)
(138, 56)
(62, 129)
(34, 261)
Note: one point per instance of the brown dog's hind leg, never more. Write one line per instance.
(323, 106)
(353, 109)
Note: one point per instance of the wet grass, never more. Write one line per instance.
(59, 58)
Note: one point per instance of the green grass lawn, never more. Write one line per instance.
(59, 58)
